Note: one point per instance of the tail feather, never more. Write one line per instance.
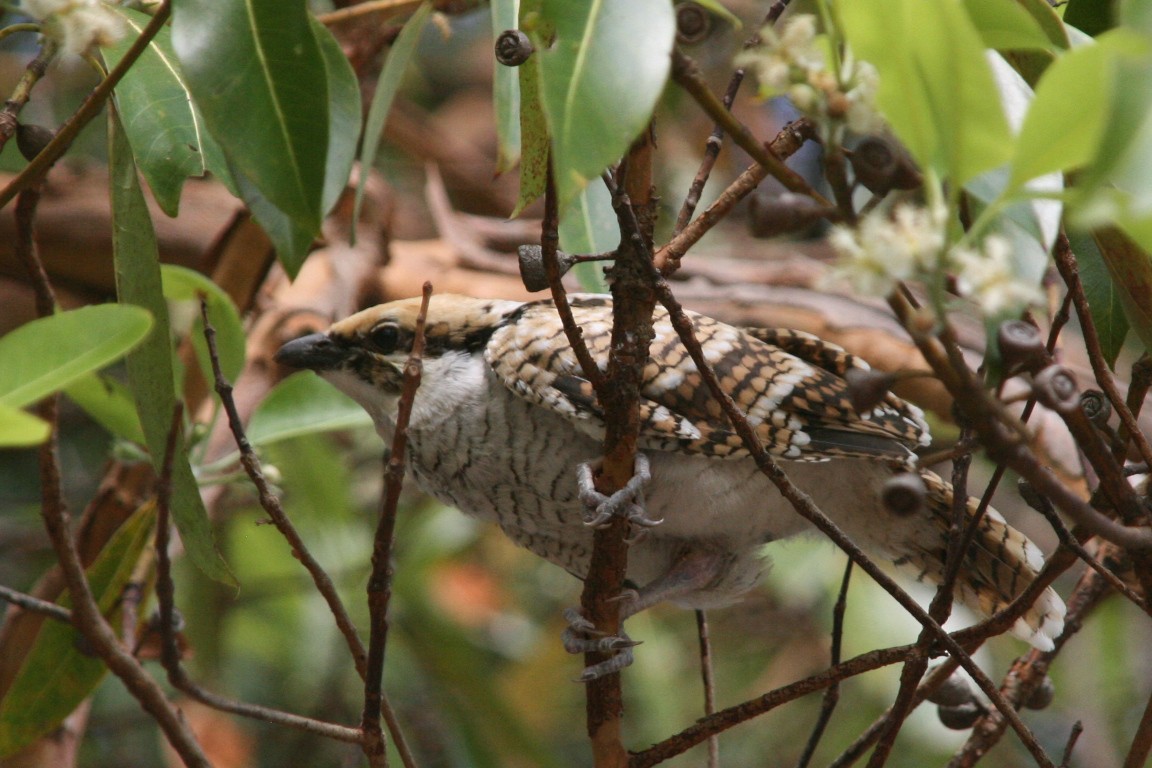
(1001, 563)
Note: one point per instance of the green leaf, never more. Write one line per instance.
(1103, 299)
(1131, 269)
(344, 116)
(1090, 16)
(303, 404)
(534, 143)
(109, 403)
(1116, 187)
(1066, 120)
(150, 374)
(717, 9)
(186, 285)
(256, 71)
(48, 354)
(589, 226)
(506, 90)
(56, 675)
(1006, 25)
(19, 429)
(935, 82)
(386, 86)
(165, 129)
(600, 80)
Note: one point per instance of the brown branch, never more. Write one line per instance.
(1070, 273)
(23, 90)
(1028, 673)
(86, 616)
(88, 109)
(803, 504)
(380, 581)
(708, 680)
(632, 305)
(1141, 741)
(170, 651)
(1001, 434)
(732, 716)
(688, 77)
(271, 504)
(35, 604)
(832, 694)
(787, 142)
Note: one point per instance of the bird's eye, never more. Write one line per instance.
(384, 338)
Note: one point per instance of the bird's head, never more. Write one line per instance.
(364, 355)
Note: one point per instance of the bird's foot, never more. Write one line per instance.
(628, 502)
(581, 636)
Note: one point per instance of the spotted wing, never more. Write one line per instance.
(799, 408)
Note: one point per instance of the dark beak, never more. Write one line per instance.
(315, 351)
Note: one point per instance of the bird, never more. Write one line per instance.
(505, 426)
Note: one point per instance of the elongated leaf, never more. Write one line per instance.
(589, 226)
(48, 354)
(183, 284)
(56, 674)
(300, 405)
(534, 143)
(1065, 122)
(257, 73)
(934, 82)
(1103, 298)
(600, 80)
(19, 429)
(166, 131)
(344, 115)
(109, 403)
(386, 87)
(150, 375)
(506, 90)
(1006, 25)
(1131, 269)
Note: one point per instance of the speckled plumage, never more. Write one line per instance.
(504, 416)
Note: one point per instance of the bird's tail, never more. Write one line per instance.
(998, 566)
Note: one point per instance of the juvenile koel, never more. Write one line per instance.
(504, 418)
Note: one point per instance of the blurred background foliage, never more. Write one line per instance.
(475, 666)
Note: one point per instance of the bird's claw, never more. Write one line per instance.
(628, 502)
(581, 636)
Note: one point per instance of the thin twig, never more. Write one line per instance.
(1142, 740)
(1028, 673)
(271, 504)
(380, 581)
(88, 109)
(361, 10)
(731, 716)
(169, 649)
(832, 694)
(709, 682)
(23, 90)
(35, 604)
(1070, 272)
(787, 142)
(688, 77)
(803, 504)
(1073, 737)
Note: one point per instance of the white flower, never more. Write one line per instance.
(862, 115)
(884, 250)
(77, 24)
(987, 277)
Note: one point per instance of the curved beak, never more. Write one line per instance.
(315, 351)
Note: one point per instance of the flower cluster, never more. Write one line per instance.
(910, 244)
(792, 62)
(987, 277)
(883, 250)
(76, 24)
